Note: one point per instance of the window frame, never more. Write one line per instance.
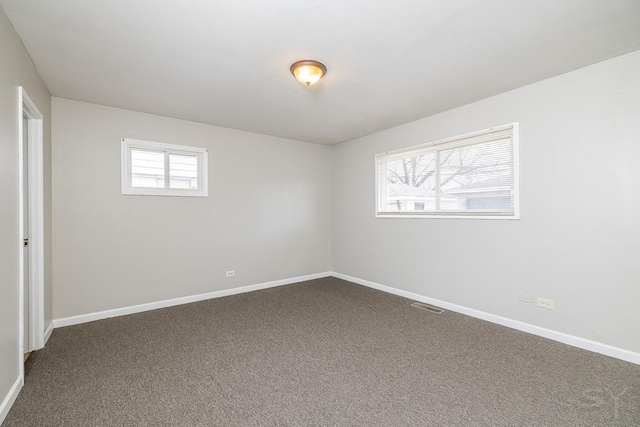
(127, 144)
(440, 145)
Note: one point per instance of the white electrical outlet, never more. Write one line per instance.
(527, 298)
(546, 303)
(231, 273)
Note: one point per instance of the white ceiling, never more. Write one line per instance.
(226, 62)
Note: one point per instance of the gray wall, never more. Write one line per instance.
(17, 69)
(578, 239)
(267, 215)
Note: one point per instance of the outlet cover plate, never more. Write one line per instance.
(546, 303)
(527, 298)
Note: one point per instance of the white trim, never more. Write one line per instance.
(21, 344)
(562, 337)
(8, 400)
(47, 333)
(516, 169)
(583, 343)
(35, 180)
(125, 168)
(90, 317)
(440, 216)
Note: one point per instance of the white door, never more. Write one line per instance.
(25, 231)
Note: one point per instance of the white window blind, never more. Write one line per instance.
(159, 169)
(473, 175)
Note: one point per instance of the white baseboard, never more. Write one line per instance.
(90, 317)
(571, 340)
(7, 402)
(47, 333)
(562, 337)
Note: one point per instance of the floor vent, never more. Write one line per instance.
(432, 309)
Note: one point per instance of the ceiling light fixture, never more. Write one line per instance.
(308, 71)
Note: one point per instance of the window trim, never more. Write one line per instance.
(381, 186)
(127, 144)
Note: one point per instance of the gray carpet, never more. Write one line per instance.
(325, 352)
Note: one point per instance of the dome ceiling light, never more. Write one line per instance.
(308, 71)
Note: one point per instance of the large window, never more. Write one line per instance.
(473, 175)
(157, 169)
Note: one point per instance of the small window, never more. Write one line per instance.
(473, 175)
(158, 169)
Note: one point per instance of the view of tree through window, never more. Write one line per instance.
(411, 181)
(473, 174)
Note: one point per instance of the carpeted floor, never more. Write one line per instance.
(325, 352)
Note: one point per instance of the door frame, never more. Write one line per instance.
(35, 180)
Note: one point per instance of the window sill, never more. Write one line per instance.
(488, 215)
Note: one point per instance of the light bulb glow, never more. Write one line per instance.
(308, 72)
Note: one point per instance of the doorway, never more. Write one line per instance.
(31, 228)
(25, 237)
